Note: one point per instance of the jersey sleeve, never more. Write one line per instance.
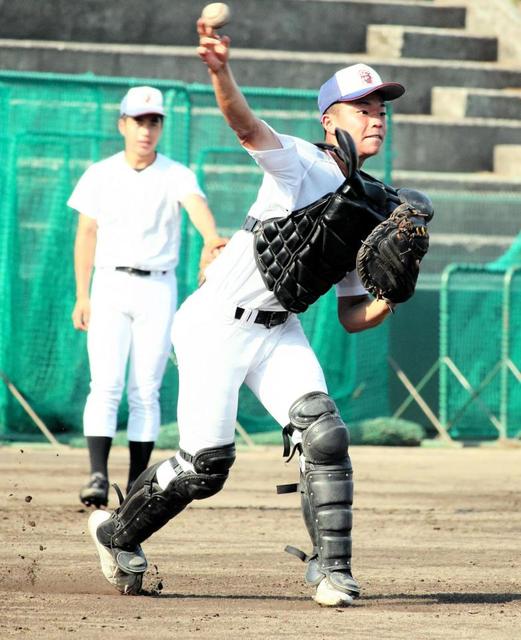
(281, 162)
(84, 197)
(186, 183)
(350, 285)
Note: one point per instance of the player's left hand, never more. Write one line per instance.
(388, 262)
(210, 251)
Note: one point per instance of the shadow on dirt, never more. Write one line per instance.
(449, 598)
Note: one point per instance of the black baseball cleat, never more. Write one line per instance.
(96, 492)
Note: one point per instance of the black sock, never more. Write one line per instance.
(140, 453)
(99, 449)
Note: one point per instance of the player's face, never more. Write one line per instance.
(364, 119)
(141, 134)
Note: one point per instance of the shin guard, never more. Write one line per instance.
(147, 507)
(326, 490)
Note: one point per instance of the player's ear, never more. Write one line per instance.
(328, 123)
(122, 125)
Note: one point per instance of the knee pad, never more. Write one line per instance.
(211, 468)
(325, 438)
(147, 507)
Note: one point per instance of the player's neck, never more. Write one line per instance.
(137, 162)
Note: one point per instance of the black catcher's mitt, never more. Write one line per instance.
(388, 262)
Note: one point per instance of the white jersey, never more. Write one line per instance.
(137, 212)
(294, 176)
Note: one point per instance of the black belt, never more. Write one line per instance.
(137, 272)
(267, 318)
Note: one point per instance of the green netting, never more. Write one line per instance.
(464, 231)
(54, 127)
(480, 350)
(511, 257)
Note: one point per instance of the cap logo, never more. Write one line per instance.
(366, 76)
(148, 98)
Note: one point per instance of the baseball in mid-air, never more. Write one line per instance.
(216, 14)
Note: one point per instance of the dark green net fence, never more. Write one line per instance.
(480, 349)
(53, 128)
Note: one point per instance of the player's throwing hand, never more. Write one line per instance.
(213, 49)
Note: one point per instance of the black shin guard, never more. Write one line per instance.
(147, 507)
(145, 510)
(326, 489)
(330, 491)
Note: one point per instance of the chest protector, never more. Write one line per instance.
(302, 255)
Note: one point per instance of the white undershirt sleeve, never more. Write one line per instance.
(350, 285)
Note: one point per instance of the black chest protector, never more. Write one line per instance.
(302, 255)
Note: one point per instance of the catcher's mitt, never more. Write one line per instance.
(388, 262)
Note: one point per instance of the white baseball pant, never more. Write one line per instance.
(131, 318)
(217, 353)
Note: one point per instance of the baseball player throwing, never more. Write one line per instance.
(241, 327)
(129, 228)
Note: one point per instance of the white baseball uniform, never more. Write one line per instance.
(216, 353)
(138, 227)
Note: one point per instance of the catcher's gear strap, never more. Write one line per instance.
(303, 254)
(345, 151)
(250, 223)
(293, 487)
(301, 555)
(147, 507)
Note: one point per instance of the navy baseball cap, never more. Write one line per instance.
(353, 83)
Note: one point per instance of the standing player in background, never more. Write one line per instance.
(129, 229)
(235, 329)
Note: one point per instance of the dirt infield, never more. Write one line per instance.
(436, 549)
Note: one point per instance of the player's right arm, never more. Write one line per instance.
(214, 51)
(84, 250)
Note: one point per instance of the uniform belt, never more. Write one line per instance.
(267, 318)
(137, 272)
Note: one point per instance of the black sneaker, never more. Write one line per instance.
(96, 492)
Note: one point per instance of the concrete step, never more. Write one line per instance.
(476, 216)
(461, 210)
(425, 143)
(492, 215)
(472, 248)
(454, 103)
(473, 182)
(414, 42)
(501, 18)
(507, 160)
(318, 25)
(253, 67)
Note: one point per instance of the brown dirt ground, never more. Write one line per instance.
(436, 548)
